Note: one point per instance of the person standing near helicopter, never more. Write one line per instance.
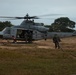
(26, 37)
(14, 39)
(56, 41)
(30, 34)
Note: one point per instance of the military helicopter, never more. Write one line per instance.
(28, 28)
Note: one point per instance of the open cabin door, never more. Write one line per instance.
(24, 34)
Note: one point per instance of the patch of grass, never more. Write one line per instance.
(29, 59)
(37, 62)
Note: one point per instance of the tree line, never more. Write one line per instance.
(5, 24)
(62, 24)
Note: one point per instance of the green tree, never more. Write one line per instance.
(5, 24)
(63, 24)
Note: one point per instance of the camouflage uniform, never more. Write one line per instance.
(30, 37)
(56, 41)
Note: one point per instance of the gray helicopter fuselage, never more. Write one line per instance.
(38, 30)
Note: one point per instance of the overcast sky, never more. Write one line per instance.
(66, 8)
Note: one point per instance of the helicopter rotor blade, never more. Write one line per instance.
(46, 15)
(11, 17)
(32, 17)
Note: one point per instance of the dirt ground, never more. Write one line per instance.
(66, 43)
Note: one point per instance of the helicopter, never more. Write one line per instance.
(28, 30)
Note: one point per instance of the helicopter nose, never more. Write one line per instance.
(1, 35)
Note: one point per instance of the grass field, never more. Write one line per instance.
(39, 58)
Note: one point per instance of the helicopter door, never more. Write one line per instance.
(23, 34)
